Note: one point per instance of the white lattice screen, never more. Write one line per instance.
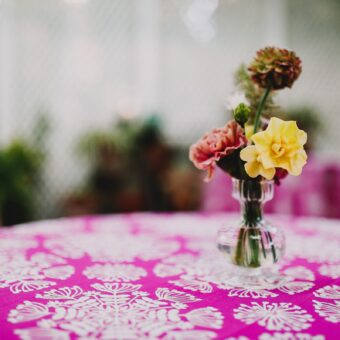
(83, 62)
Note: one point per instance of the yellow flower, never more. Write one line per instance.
(249, 130)
(254, 166)
(281, 146)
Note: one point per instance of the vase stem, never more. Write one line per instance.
(251, 212)
(254, 244)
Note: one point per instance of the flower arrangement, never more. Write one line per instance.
(256, 146)
(257, 149)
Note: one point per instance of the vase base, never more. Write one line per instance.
(254, 279)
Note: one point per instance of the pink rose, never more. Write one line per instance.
(216, 145)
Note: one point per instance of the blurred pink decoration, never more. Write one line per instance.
(317, 193)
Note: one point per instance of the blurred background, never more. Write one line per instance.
(100, 100)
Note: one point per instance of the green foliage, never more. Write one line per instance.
(122, 136)
(41, 129)
(19, 166)
(253, 93)
(307, 118)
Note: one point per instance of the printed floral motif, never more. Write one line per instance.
(41, 333)
(328, 292)
(28, 311)
(112, 247)
(21, 274)
(331, 270)
(330, 311)
(311, 247)
(264, 289)
(192, 284)
(175, 295)
(251, 293)
(49, 227)
(175, 306)
(114, 272)
(115, 310)
(10, 247)
(106, 224)
(290, 336)
(181, 224)
(324, 227)
(300, 272)
(274, 316)
(201, 274)
(195, 273)
(197, 335)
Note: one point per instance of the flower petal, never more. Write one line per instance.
(262, 140)
(268, 173)
(249, 154)
(275, 126)
(252, 169)
(297, 163)
(267, 161)
(302, 137)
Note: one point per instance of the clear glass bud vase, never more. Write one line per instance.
(254, 245)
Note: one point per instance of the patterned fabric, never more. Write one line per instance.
(149, 276)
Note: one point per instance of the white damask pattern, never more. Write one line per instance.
(290, 336)
(188, 335)
(112, 247)
(311, 247)
(182, 224)
(330, 311)
(113, 304)
(201, 273)
(25, 274)
(331, 270)
(328, 292)
(114, 272)
(263, 289)
(115, 310)
(121, 224)
(324, 227)
(300, 272)
(50, 227)
(10, 247)
(274, 316)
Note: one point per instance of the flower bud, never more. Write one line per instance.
(241, 114)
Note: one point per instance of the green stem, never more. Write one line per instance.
(260, 108)
(249, 243)
(239, 254)
(252, 215)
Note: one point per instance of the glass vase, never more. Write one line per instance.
(254, 245)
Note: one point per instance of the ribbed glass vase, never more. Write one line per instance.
(254, 244)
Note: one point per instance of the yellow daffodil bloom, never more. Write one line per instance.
(254, 166)
(279, 146)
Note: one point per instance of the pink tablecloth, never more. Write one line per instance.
(146, 276)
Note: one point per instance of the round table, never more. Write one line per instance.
(150, 276)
